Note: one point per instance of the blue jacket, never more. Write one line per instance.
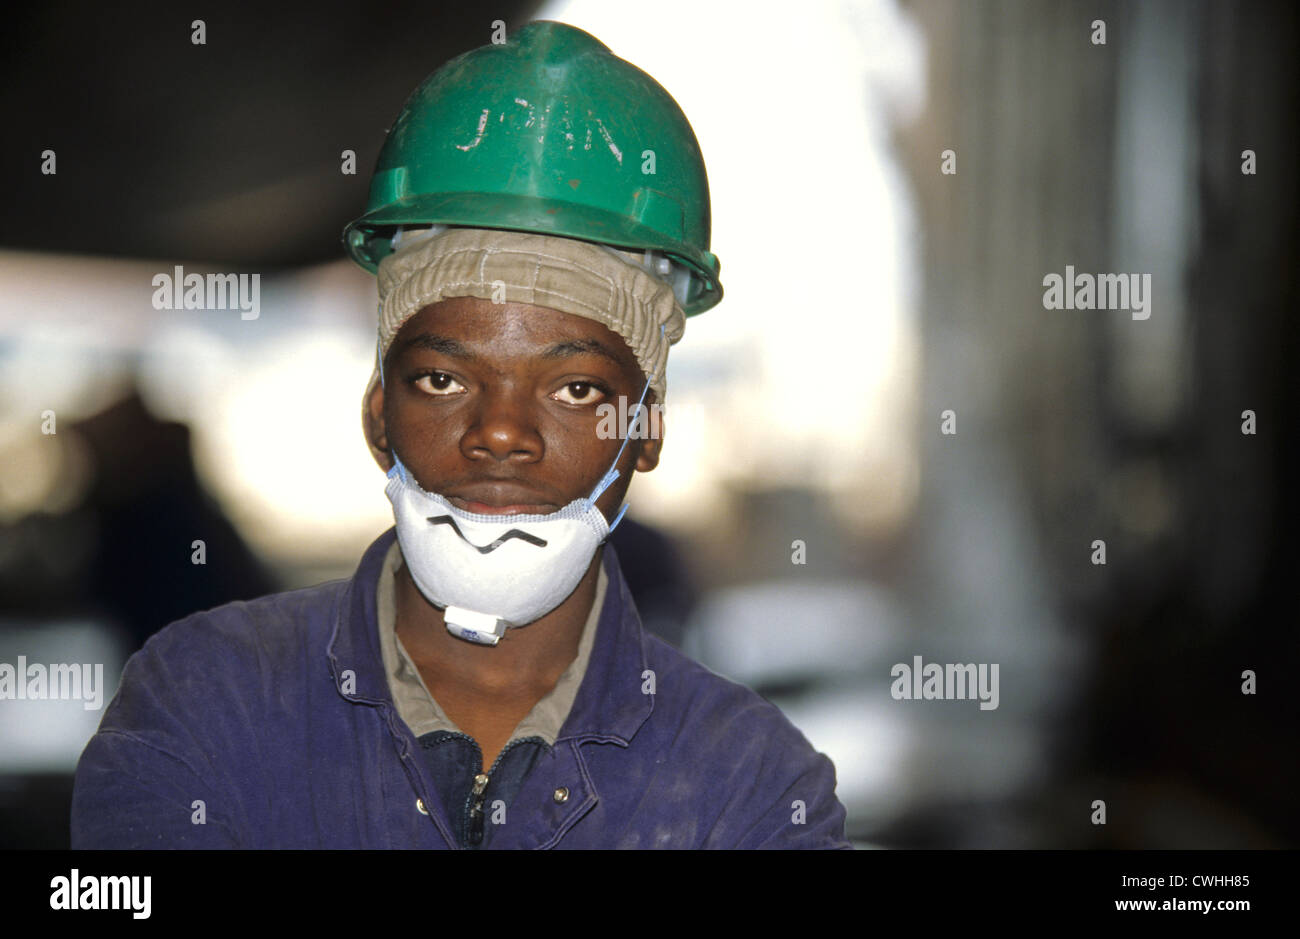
(232, 729)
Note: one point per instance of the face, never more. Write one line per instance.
(494, 406)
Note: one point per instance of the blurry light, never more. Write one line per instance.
(891, 756)
(273, 404)
(812, 220)
(679, 493)
(774, 632)
(42, 473)
(285, 450)
(47, 735)
(73, 376)
(869, 741)
(184, 370)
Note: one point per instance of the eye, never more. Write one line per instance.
(438, 384)
(581, 392)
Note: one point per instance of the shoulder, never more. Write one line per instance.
(770, 786)
(202, 700)
(270, 627)
(688, 692)
(227, 652)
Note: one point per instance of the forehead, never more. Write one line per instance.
(509, 329)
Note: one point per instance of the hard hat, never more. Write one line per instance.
(551, 133)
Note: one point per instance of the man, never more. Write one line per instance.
(484, 679)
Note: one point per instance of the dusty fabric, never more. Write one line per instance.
(276, 714)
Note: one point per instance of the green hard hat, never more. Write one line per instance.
(549, 132)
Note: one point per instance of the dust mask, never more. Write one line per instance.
(491, 573)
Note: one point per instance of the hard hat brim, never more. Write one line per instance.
(368, 238)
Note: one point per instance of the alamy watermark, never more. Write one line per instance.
(63, 682)
(638, 422)
(1098, 292)
(104, 892)
(181, 291)
(950, 682)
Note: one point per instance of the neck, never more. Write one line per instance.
(528, 659)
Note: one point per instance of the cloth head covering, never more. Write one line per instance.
(594, 281)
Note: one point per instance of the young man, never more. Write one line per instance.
(483, 681)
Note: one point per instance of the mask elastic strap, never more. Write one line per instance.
(612, 475)
(379, 367)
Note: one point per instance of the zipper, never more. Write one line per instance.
(478, 792)
(476, 810)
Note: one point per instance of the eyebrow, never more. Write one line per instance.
(561, 350)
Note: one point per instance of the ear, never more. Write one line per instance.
(375, 428)
(650, 448)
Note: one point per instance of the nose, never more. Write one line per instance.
(504, 429)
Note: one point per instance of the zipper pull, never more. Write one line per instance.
(476, 810)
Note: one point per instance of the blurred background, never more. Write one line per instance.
(810, 525)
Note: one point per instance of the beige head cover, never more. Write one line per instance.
(593, 281)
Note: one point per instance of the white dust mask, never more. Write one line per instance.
(495, 572)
